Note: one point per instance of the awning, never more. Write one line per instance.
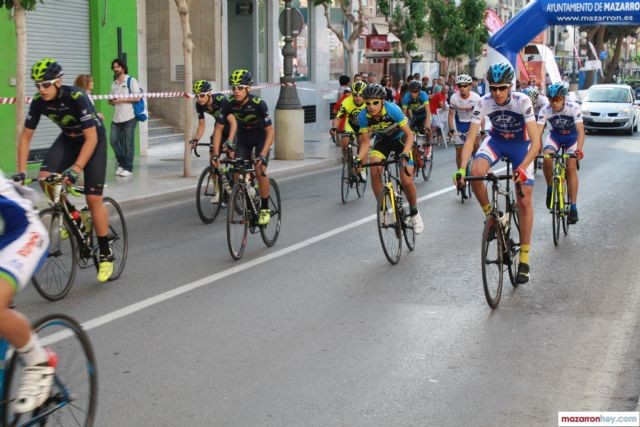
(382, 29)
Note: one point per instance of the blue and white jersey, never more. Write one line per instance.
(541, 102)
(16, 211)
(387, 125)
(507, 121)
(464, 109)
(563, 123)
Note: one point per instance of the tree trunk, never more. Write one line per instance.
(407, 60)
(187, 44)
(19, 16)
(613, 64)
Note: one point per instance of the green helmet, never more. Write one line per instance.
(358, 87)
(201, 86)
(46, 69)
(241, 77)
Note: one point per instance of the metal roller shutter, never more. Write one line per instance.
(57, 29)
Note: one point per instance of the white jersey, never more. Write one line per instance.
(563, 123)
(464, 109)
(507, 121)
(541, 102)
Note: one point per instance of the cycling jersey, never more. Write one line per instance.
(463, 109)
(71, 110)
(387, 125)
(23, 238)
(218, 101)
(563, 126)
(252, 117)
(417, 106)
(507, 121)
(350, 110)
(541, 102)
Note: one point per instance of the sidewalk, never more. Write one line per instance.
(158, 178)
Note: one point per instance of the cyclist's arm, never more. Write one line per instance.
(408, 141)
(200, 130)
(89, 146)
(268, 140)
(23, 149)
(427, 120)
(452, 113)
(365, 144)
(467, 148)
(217, 137)
(580, 140)
(536, 143)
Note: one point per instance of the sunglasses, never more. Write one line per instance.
(499, 88)
(239, 87)
(47, 84)
(369, 103)
(463, 86)
(415, 91)
(202, 95)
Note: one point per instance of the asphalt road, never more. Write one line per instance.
(322, 330)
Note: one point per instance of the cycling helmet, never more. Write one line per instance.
(241, 77)
(358, 87)
(463, 79)
(46, 69)
(557, 89)
(532, 93)
(501, 72)
(374, 92)
(414, 85)
(201, 86)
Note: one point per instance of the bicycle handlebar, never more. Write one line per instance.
(242, 164)
(386, 163)
(56, 178)
(194, 147)
(495, 178)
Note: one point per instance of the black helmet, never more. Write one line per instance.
(374, 92)
(501, 72)
(414, 85)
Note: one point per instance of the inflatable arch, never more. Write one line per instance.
(538, 15)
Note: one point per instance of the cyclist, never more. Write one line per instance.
(567, 131)
(415, 105)
(462, 104)
(386, 121)
(23, 248)
(512, 119)
(255, 132)
(350, 109)
(538, 101)
(81, 146)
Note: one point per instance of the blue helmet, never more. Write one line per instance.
(532, 93)
(557, 89)
(501, 72)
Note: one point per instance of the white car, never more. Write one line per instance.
(611, 107)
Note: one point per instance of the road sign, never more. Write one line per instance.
(297, 22)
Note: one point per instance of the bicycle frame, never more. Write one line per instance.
(559, 177)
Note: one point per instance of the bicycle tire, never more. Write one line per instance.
(361, 187)
(567, 207)
(428, 164)
(389, 227)
(492, 280)
(208, 185)
(237, 222)
(69, 403)
(56, 275)
(118, 238)
(345, 180)
(514, 243)
(271, 231)
(408, 232)
(555, 212)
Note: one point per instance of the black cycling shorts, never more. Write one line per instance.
(384, 146)
(247, 142)
(64, 153)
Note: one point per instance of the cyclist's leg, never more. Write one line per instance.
(488, 155)
(379, 152)
(61, 155)
(572, 171)
(458, 143)
(516, 152)
(550, 146)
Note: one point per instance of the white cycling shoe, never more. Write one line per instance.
(35, 385)
(418, 225)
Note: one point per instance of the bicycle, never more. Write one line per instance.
(464, 191)
(73, 242)
(560, 203)
(392, 218)
(501, 227)
(74, 394)
(350, 178)
(244, 209)
(423, 153)
(213, 190)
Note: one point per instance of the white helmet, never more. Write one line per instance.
(463, 79)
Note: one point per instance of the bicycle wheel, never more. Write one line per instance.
(389, 227)
(492, 261)
(567, 207)
(118, 238)
(208, 186)
(361, 187)
(237, 222)
(345, 180)
(408, 231)
(513, 239)
(74, 395)
(555, 212)
(56, 275)
(271, 231)
(428, 162)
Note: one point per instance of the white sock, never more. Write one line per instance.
(33, 353)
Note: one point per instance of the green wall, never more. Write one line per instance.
(104, 48)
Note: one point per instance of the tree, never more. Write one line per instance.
(407, 22)
(187, 45)
(615, 35)
(357, 20)
(19, 17)
(457, 30)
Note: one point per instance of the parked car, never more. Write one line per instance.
(611, 107)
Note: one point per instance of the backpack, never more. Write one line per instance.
(139, 107)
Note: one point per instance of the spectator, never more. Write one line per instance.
(474, 85)
(403, 89)
(124, 121)
(437, 101)
(371, 78)
(85, 82)
(416, 76)
(399, 87)
(482, 87)
(425, 85)
(357, 77)
(385, 83)
(344, 86)
(409, 78)
(448, 91)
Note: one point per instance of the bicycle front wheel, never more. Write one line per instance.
(345, 180)
(74, 394)
(513, 239)
(271, 231)
(428, 162)
(237, 222)
(118, 238)
(360, 185)
(567, 207)
(409, 232)
(389, 227)
(209, 195)
(492, 261)
(56, 275)
(556, 215)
